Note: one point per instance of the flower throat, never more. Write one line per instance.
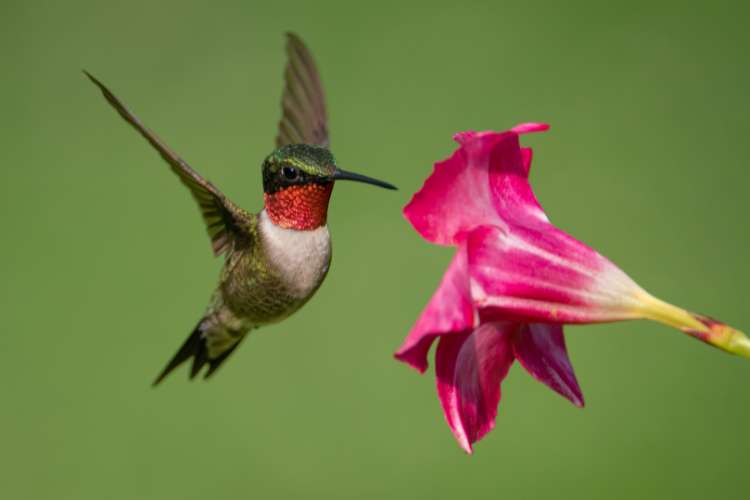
(302, 207)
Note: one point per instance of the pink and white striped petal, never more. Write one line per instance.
(469, 369)
(541, 274)
(540, 348)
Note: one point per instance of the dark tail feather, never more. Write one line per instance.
(195, 347)
(214, 364)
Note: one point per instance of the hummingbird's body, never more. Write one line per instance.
(265, 283)
(275, 260)
(278, 274)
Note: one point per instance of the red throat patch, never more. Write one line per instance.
(302, 207)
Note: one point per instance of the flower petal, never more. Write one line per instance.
(540, 348)
(486, 174)
(469, 368)
(512, 195)
(525, 128)
(456, 197)
(527, 154)
(541, 274)
(450, 310)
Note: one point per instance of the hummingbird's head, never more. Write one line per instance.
(297, 184)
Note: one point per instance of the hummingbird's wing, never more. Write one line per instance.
(226, 223)
(304, 119)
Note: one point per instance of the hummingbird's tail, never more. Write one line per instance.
(196, 347)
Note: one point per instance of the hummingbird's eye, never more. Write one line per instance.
(290, 173)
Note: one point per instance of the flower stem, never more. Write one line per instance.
(703, 328)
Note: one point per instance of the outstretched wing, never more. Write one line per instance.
(226, 223)
(304, 119)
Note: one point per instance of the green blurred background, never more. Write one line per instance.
(105, 266)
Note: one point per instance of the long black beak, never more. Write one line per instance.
(343, 175)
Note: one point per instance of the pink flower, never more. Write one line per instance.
(514, 280)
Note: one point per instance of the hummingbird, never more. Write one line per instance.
(276, 259)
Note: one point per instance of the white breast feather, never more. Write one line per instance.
(301, 257)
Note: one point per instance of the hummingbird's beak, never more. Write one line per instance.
(343, 175)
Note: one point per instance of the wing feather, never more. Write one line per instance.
(304, 119)
(226, 223)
